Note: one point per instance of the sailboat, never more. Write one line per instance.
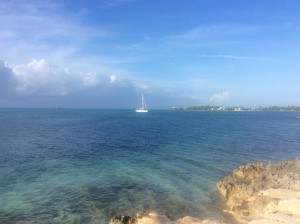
(144, 108)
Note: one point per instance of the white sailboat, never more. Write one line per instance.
(144, 108)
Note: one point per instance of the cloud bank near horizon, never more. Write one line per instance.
(41, 84)
(38, 80)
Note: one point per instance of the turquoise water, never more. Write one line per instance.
(84, 166)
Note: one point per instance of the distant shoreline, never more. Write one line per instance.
(201, 108)
(218, 108)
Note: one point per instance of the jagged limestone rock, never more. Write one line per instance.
(248, 188)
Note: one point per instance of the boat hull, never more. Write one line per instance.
(141, 110)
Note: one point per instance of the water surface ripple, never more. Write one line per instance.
(83, 166)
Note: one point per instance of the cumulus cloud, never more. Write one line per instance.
(6, 78)
(90, 80)
(40, 77)
(220, 96)
(112, 78)
(39, 81)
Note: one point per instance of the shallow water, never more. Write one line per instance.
(83, 166)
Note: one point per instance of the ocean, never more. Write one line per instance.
(85, 166)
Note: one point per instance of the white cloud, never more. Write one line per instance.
(39, 83)
(142, 86)
(39, 77)
(112, 78)
(90, 80)
(6, 78)
(220, 96)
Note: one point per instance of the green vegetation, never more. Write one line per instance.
(277, 108)
(260, 108)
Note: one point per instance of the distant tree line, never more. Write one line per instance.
(277, 108)
(203, 108)
(218, 108)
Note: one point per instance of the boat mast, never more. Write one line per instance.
(144, 106)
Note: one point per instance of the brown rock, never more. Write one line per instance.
(246, 190)
(121, 220)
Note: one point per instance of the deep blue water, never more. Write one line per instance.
(83, 166)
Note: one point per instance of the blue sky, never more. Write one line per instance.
(106, 53)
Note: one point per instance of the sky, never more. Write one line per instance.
(106, 53)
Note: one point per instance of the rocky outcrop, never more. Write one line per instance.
(122, 219)
(255, 194)
(154, 218)
(258, 193)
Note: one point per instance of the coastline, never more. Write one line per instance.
(254, 193)
(258, 193)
